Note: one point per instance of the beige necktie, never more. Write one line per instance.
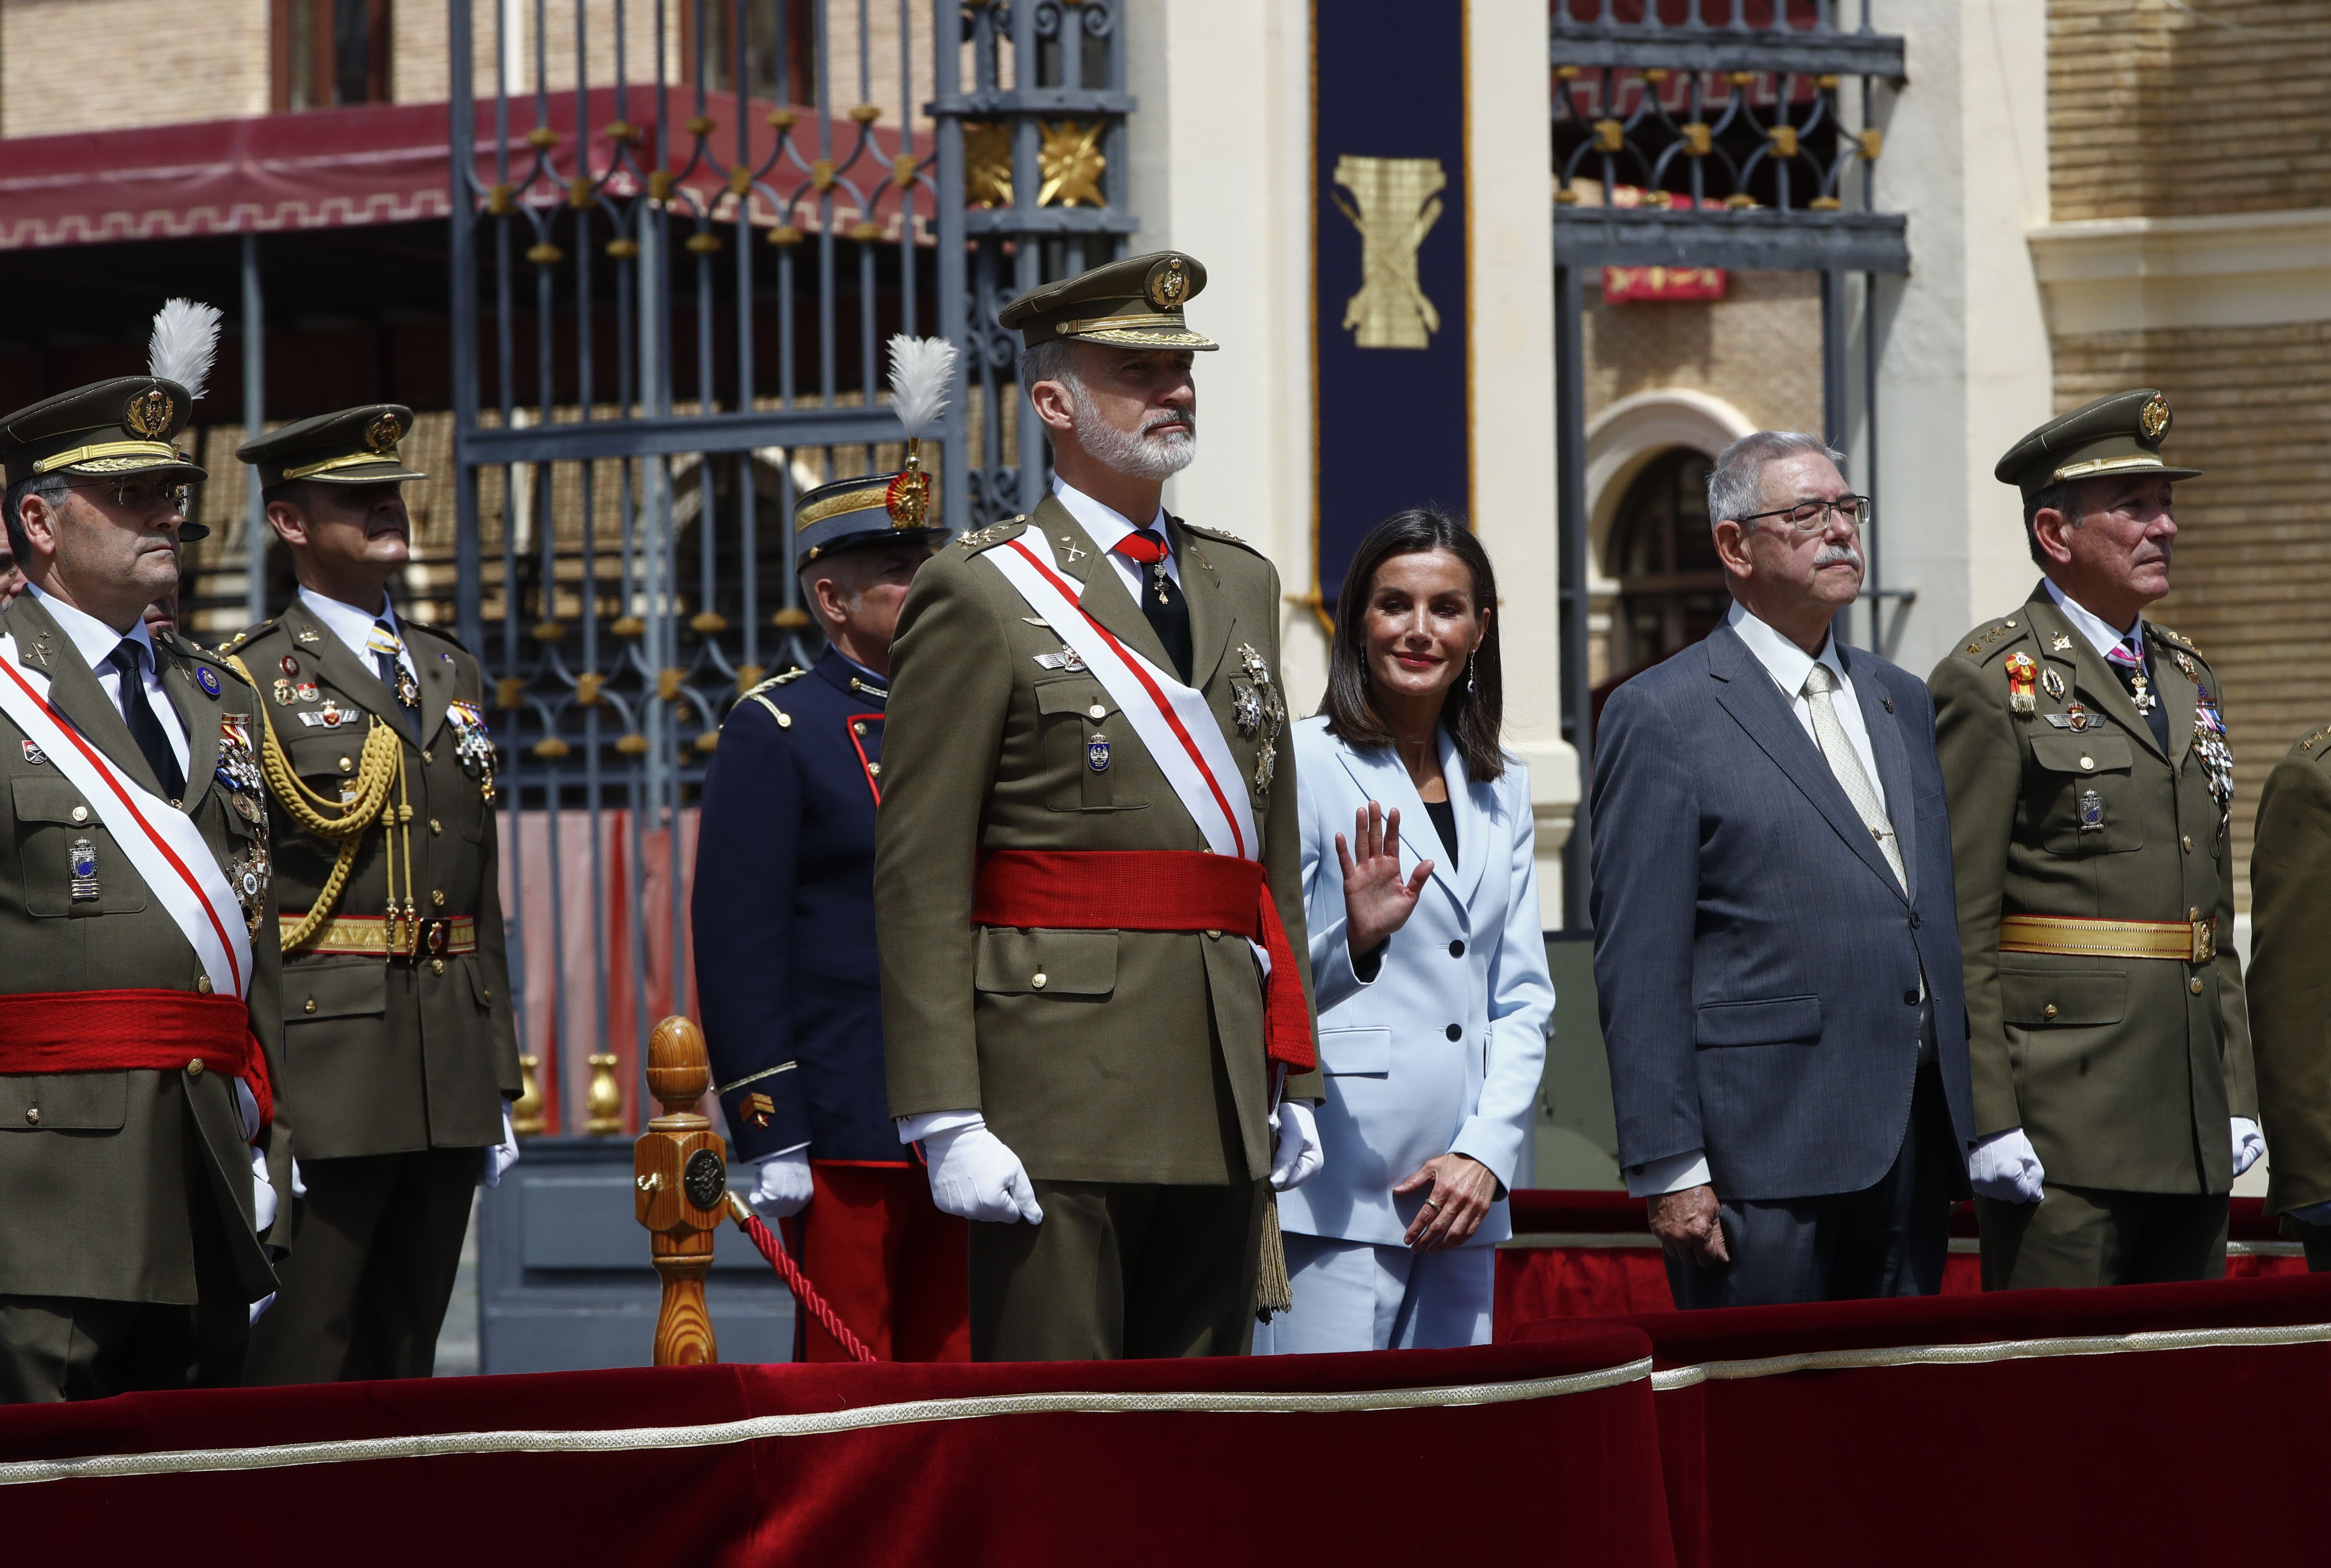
(1830, 735)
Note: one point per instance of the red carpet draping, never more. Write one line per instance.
(2014, 1428)
(1559, 1267)
(1544, 1452)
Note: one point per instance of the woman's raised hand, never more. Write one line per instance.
(1376, 901)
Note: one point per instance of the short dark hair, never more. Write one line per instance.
(2063, 496)
(49, 486)
(1471, 716)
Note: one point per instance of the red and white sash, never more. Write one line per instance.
(162, 844)
(1183, 735)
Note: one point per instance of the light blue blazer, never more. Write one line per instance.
(1443, 1050)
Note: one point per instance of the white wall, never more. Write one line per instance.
(1221, 168)
(1965, 366)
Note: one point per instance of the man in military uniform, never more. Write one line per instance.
(396, 990)
(2290, 990)
(132, 1119)
(2085, 758)
(1088, 837)
(785, 942)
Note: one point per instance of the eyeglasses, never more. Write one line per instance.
(142, 497)
(1809, 518)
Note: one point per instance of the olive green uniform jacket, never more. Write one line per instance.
(389, 1057)
(2124, 1072)
(2291, 973)
(96, 1166)
(1097, 1055)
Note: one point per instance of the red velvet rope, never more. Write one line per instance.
(46, 1031)
(798, 1283)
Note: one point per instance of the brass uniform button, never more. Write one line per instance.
(435, 826)
(345, 765)
(873, 770)
(202, 984)
(33, 1115)
(436, 966)
(194, 1068)
(2195, 986)
(1096, 711)
(1039, 982)
(487, 991)
(80, 813)
(859, 729)
(784, 720)
(1214, 936)
(2049, 1011)
(2188, 842)
(437, 896)
(311, 1004)
(2088, 762)
(428, 757)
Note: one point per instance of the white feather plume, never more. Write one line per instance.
(922, 370)
(185, 343)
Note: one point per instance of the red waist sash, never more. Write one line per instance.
(50, 1032)
(1154, 890)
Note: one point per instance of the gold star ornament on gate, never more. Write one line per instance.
(1071, 164)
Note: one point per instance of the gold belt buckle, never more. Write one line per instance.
(2206, 940)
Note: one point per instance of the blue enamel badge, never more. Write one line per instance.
(207, 679)
(1097, 754)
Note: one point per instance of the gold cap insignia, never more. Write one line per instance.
(2154, 418)
(1168, 284)
(909, 498)
(148, 413)
(382, 433)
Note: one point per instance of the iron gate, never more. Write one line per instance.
(681, 232)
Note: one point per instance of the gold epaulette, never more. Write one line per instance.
(993, 534)
(1986, 641)
(783, 678)
(2312, 741)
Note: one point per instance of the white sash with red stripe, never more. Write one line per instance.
(1172, 719)
(162, 844)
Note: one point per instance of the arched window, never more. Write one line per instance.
(1671, 590)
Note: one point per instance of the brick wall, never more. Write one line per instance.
(2253, 556)
(1758, 349)
(2155, 111)
(69, 65)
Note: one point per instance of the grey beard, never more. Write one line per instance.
(1156, 454)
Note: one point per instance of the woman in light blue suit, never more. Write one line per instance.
(1432, 989)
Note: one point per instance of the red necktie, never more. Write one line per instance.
(1167, 613)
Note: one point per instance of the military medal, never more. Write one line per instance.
(2141, 692)
(1097, 754)
(330, 715)
(473, 743)
(1246, 710)
(282, 694)
(35, 755)
(248, 876)
(83, 865)
(2209, 745)
(306, 691)
(1066, 659)
(1269, 719)
(2185, 665)
(238, 768)
(408, 690)
(2092, 812)
(2022, 672)
(207, 679)
(288, 665)
(2053, 685)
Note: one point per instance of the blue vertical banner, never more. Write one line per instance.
(1391, 415)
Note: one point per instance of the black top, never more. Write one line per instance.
(1445, 822)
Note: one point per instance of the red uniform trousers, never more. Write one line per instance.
(893, 1267)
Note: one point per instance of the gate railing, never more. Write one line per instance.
(681, 232)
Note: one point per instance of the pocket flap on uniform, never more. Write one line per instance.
(1073, 694)
(1345, 1052)
(1055, 963)
(52, 799)
(333, 753)
(353, 989)
(2083, 754)
(1778, 1020)
(64, 1102)
(2068, 998)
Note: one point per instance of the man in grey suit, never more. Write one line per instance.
(1775, 935)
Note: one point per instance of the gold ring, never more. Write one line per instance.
(1431, 1204)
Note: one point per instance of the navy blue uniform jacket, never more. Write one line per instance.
(783, 907)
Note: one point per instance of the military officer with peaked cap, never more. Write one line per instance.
(2290, 989)
(396, 1004)
(783, 937)
(140, 1014)
(1088, 837)
(2084, 748)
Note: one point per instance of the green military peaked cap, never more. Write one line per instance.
(1134, 303)
(121, 429)
(354, 446)
(2113, 435)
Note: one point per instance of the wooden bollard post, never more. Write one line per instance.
(681, 1171)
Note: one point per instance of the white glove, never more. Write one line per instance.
(972, 1174)
(299, 1183)
(2006, 1166)
(2250, 1143)
(259, 1307)
(782, 1189)
(501, 1156)
(262, 1196)
(1295, 1155)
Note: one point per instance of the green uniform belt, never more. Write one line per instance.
(2185, 941)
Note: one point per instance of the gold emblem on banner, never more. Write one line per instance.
(1394, 204)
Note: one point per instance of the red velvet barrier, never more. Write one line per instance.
(1557, 1476)
(2131, 1455)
